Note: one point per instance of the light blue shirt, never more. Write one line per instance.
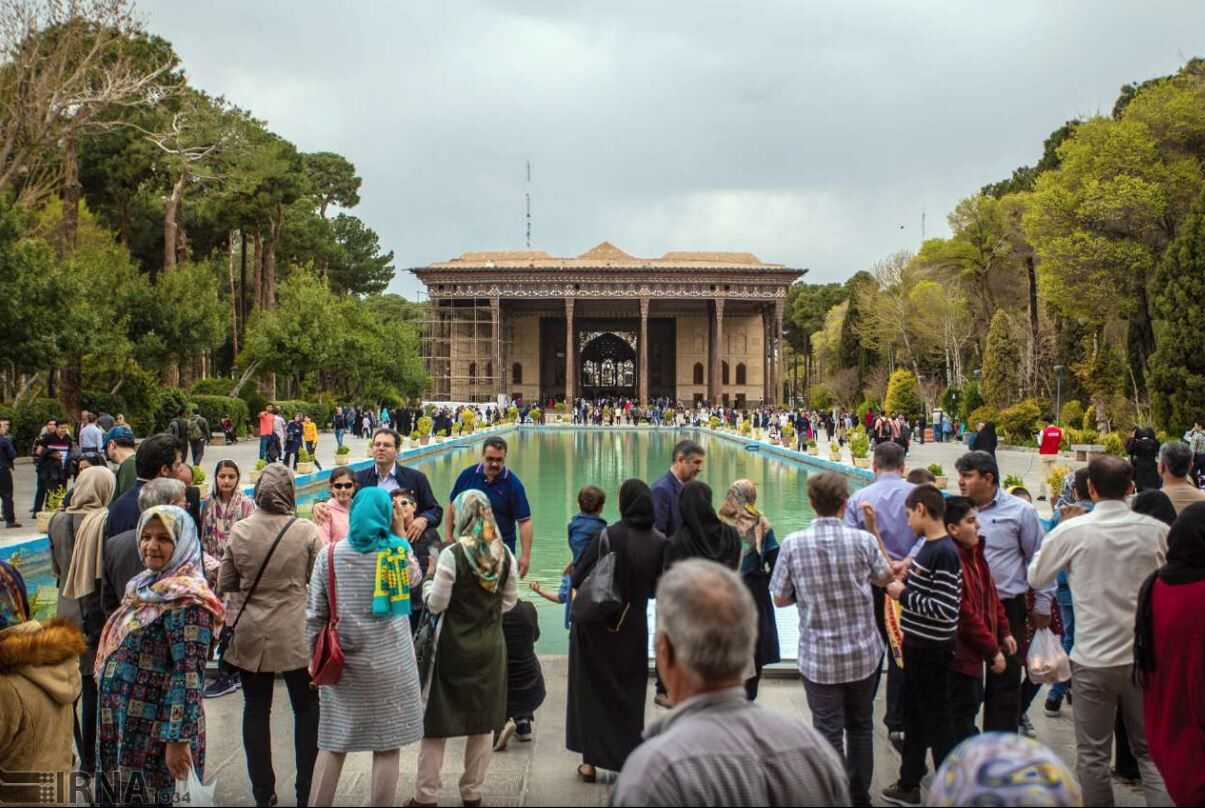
(1012, 535)
(887, 494)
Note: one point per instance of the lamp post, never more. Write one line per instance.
(1058, 393)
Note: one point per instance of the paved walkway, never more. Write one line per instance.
(541, 772)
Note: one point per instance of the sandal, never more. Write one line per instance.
(587, 773)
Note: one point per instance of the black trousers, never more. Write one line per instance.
(1002, 691)
(6, 495)
(966, 697)
(85, 724)
(925, 703)
(257, 732)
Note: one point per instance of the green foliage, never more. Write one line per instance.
(198, 475)
(1072, 414)
(811, 444)
(1177, 367)
(859, 442)
(936, 470)
(214, 408)
(322, 412)
(834, 447)
(714, 422)
(358, 267)
(29, 419)
(343, 450)
(168, 404)
(972, 399)
(820, 397)
(212, 387)
(97, 401)
(985, 413)
(1020, 422)
(951, 399)
(1058, 476)
(424, 426)
(1089, 422)
(261, 464)
(54, 498)
(903, 395)
(865, 407)
(1114, 443)
(1013, 480)
(1001, 362)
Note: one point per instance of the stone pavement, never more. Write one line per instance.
(541, 772)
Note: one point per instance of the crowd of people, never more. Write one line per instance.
(394, 619)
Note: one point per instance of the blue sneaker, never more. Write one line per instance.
(222, 685)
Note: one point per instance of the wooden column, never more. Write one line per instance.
(497, 383)
(767, 356)
(644, 350)
(777, 363)
(570, 350)
(715, 382)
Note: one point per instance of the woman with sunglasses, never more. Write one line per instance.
(333, 520)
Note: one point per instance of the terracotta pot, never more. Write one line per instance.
(342, 459)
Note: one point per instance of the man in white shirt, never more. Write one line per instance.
(1108, 554)
(91, 437)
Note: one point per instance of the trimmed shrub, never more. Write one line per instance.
(213, 387)
(29, 419)
(1019, 422)
(972, 399)
(820, 397)
(983, 413)
(97, 401)
(213, 408)
(1089, 421)
(1114, 443)
(1072, 415)
(903, 395)
(168, 404)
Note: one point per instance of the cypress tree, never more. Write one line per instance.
(1177, 367)
(1001, 362)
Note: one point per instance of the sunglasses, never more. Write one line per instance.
(405, 501)
(342, 486)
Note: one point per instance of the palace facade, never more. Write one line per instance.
(688, 326)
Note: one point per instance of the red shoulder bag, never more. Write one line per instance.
(326, 667)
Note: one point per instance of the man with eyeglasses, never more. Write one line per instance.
(508, 498)
(387, 473)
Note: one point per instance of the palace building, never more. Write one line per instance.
(688, 326)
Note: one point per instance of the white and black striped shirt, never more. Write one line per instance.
(932, 594)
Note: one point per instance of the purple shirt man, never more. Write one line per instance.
(887, 494)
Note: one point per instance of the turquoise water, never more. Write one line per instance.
(553, 465)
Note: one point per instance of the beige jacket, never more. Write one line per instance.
(271, 634)
(39, 683)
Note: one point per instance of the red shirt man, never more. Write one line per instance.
(1048, 451)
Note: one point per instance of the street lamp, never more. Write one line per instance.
(1058, 393)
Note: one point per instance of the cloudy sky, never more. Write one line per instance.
(806, 132)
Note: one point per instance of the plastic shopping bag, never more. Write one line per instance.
(1047, 662)
(192, 793)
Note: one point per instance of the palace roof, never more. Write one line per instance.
(603, 256)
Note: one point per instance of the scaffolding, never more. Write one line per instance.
(464, 350)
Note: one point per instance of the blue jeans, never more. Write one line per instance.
(338, 437)
(1060, 689)
(263, 446)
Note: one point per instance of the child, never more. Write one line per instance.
(584, 526)
(983, 633)
(929, 620)
(563, 594)
(922, 477)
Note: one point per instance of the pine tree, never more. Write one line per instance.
(1177, 367)
(1001, 362)
(903, 395)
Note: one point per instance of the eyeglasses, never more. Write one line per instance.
(342, 486)
(405, 501)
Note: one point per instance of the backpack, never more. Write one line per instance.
(195, 432)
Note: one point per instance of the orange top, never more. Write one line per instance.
(267, 423)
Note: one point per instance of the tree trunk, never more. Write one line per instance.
(244, 379)
(123, 224)
(270, 259)
(187, 371)
(171, 212)
(234, 299)
(71, 196)
(257, 269)
(242, 288)
(182, 251)
(71, 380)
(1032, 278)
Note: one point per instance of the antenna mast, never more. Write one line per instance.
(528, 204)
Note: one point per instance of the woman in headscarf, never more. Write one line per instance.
(1143, 449)
(986, 439)
(471, 585)
(270, 636)
(702, 534)
(221, 509)
(376, 705)
(608, 664)
(999, 768)
(1169, 659)
(153, 651)
(77, 557)
(39, 683)
(759, 552)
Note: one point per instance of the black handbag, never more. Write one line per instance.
(426, 639)
(599, 598)
(227, 633)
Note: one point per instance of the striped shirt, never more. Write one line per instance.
(932, 594)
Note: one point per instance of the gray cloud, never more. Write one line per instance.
(804, 132)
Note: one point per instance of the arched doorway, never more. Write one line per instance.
(608, 365)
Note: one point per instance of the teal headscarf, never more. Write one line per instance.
(370, 530)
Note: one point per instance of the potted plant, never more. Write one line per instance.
(54, 499)
(424, 430)
(714, 422)
(468, 420)
(305, 463)
(412, 438)
(746, 429)
(1013, 480)
(342, 455)
(940, 474)
(260, 465)
(200, 481)
(834, 451)
(813, 449)
(787, 436)
(536, 415)
(859, 447)
(441, 436)
(512, 414)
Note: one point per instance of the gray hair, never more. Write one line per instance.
(1177, 457)
(708, 616)
(160, 491)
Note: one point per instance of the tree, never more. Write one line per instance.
(1177, 366)
(299, 336)
(886, 311)
(903, 395)
(332, 180)
(806, 308)
(358, 267)
(1001, 362)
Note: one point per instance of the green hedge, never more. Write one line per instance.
(212, 387)
(168, 403)
(98, 401)
(214, 408)
(322, 413)
(29, 419)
